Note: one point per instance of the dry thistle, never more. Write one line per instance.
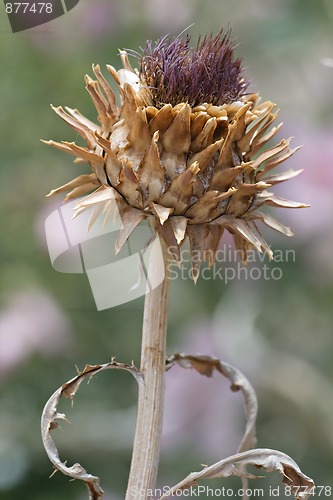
(185, 150)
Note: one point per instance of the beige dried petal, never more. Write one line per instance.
(59, 145)
(276, 161)
(270, 153)
(151, 173)
(179, 193)
(225, 178)
(276, 201)
(139, 135)
(130, 218)
(205, 137)
(78, 182)
(113, 169)
(162, 120)
(262, 137)
(103, 194)
(283, 176)
(177, 137)
(271, 222)
(223, 201)
(179, 224)
(265, 247)
(78, 126)
(197, 234)
(80, 191)
(129, 185)
(111, 98)
(242, 228)
(75, 113)
(114, 73)
(255, 127)
(161, 212)
(86, 155)
(197, 123)
(205, 156)
(201, 211)
(242, 198)
(235, 132)
(99, 101)
(167, 233)
(242, 246)
(213, 239)
(96, 211)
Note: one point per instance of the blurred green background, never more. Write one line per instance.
(278, 332)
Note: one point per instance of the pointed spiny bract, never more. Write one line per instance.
(185, 150)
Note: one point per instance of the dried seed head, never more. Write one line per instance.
(186, 150)
(175, 72)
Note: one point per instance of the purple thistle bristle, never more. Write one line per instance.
(176, 72)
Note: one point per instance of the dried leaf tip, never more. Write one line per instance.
(175, 72)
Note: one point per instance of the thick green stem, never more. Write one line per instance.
(147, 440)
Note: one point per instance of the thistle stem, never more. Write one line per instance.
(148, 433)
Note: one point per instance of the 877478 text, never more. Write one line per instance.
(29, 8)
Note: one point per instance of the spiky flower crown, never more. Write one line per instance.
(175, 72)
(185, 149)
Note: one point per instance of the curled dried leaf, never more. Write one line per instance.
(301, 485)
(50, 418)
(206, 365)
(271, 460)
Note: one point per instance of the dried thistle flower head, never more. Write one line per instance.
(185, 150)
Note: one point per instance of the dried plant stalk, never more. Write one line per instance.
(147, 440)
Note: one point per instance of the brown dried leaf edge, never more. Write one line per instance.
(235, 465)
(50, 417)
(271, 460)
